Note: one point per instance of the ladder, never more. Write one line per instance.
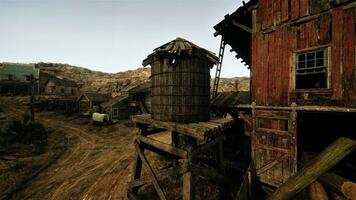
(218, 68)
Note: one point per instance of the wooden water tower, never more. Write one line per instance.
(180, 81)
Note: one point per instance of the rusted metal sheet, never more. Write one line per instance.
(274, 145)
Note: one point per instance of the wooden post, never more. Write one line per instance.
(188, 176)
(220, 159)
(175, 141)
(188, 185)
(137, 167)
(154, 179)
(328, 158)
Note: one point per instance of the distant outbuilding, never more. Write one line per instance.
(88, 100)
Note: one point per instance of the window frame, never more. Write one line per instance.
(294, 66)
(115, 112)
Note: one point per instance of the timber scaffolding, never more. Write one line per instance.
(199, 138)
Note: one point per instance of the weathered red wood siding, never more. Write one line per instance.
(280, 31)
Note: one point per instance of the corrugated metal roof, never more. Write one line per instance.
(176, 47)
(230, 99)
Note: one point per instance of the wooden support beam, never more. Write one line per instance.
(328, 158)
(160, 175)
(188, 176)
(210, 174)
(220, 159)
(154, 179)
(175, 143)
(243, 27)
(188, 186)
(154, 131)
(163, 146)
(200, 149)
(132, 196)
(301, 108)
(137, 167)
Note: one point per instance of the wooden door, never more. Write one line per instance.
(274, 145)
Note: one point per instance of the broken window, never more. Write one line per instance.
(311, 69)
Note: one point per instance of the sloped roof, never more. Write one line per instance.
(63, 82)
(141, 88)
(177, 46)
(238, 39)
(230, 99)
(114, 101)
(92, 96)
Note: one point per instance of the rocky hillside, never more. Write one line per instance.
(233, 84)
(115, 83)
(101, 82)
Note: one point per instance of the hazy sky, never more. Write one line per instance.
(109, 36)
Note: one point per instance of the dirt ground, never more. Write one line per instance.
(81, 161)
(95, 165)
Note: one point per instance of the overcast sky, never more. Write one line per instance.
(109, 36)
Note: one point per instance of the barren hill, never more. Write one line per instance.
(90, 80)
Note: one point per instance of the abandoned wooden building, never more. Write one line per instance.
(88, 102)
(117, 108)
(140, 97)
(60, 87)
(303, 78)
(18, 79)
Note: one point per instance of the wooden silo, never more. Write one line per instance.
(180, 81)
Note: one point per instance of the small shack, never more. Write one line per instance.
(91, 100)
(117, 108)
(60, 87)
(15, 79)
(140, 97)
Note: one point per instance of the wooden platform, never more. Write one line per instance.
(202, 131)
(198, 139)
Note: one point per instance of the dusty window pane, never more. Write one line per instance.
(311, 70)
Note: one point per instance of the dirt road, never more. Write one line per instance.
(96, 164)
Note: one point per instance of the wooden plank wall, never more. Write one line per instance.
(276, 37)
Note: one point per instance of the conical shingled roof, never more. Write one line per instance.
(177, 46)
